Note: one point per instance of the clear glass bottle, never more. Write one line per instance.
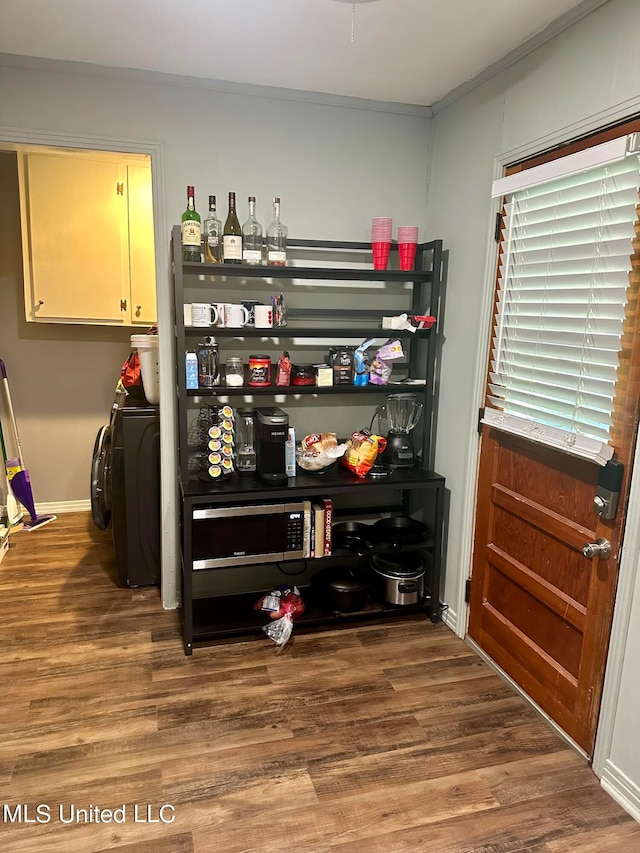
(191, 230)
(276, 239)
(232, 235)
(212, 235)
(252, 236)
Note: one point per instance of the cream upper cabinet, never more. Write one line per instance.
(142, 263)
(88, 249)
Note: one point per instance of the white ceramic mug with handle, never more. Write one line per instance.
(204, 314)
(221, 311)
(235, 316)
(263, 316)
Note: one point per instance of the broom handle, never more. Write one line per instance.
(12, 419)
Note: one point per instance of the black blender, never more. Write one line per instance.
(402, 413)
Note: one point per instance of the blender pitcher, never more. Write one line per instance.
(403, 413)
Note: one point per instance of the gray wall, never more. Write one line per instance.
(334, 165)
(580, 80)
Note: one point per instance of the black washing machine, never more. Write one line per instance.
(125, 489)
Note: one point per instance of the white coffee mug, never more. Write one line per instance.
(203, 314)
(235, 316)
(221, 310)
(264, 316)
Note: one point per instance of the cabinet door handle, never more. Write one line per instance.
(123, 304)
(120, 188)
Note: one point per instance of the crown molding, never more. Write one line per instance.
(159, 78)
(555, 28)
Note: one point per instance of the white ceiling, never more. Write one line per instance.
(404, 51)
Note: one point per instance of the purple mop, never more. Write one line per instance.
(17, 474)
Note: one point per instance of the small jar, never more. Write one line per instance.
(259, 371)
(234, 372)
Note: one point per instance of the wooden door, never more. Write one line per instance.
(78, 239)
(539, 608)
(142, 261)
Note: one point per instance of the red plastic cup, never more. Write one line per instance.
(380, 254)
(407, 255)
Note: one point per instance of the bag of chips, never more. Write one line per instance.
(381, 366)
(362, 450)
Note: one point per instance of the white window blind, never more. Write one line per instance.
(562, 292)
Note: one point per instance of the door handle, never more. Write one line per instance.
(601, 549)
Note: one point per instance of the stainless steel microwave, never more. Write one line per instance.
(255, 533)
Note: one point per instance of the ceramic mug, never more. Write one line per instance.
(263, 316)
(235, 316)
(221, 311)
(250, 305)
(204, 314)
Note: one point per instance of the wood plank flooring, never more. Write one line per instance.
(376, 739)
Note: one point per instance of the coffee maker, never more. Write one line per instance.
(272, 431)
(402, 413)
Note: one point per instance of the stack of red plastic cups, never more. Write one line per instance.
(381, 230)
(407, 245)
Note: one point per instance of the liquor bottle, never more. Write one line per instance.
(232, 235)
(212, 235)
(252, 236)
(276, 239)
(191, 230)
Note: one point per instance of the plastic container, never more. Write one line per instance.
(148, 353)
(260, 371)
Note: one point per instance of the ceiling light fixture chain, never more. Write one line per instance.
(353, 14)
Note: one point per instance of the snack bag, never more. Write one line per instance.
(381, 366)
(362, 449)
(362, 364)
(283, 376)
(282, 604)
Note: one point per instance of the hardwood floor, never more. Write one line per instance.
(379, 739)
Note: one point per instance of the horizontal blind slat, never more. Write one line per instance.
(562, 292)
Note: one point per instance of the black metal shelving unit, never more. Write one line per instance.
(216, 617)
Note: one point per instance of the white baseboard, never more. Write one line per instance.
(625, 792)
(450, 619)
(57, 507)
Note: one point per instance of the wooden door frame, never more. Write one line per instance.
(630, 556)
(15, 138)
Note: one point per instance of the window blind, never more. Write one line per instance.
(560, 307)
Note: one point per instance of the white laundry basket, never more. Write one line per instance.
(147, 346)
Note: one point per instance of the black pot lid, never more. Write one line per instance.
(398, 566)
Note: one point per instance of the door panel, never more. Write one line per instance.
(540, 608)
